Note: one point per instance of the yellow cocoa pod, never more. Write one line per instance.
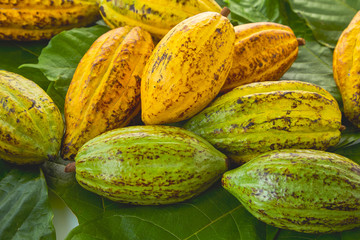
(105, 90)
(263, 51)
(346, 69)
(28, 20)
(187, 68)
(156, 17)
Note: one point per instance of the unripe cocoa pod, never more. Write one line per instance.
(104, 93)
(148, 165)
(187, 68)
(260, 117)
(31, 125)
(263, 51)
(27, 20)
(303, 190)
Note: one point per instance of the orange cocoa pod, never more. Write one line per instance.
(263, 51)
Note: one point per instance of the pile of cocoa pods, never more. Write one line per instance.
(167, 103)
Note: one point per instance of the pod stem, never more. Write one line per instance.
(301, 41)
(70, 167)
(225, 12)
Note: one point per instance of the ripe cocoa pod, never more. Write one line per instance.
(28, 20)
(307, 191)
(187, 68)
(104, 93)
(263, 51)
(346, 69)
(264, 116)
(148, 165)
(31, 125)
(156, 17)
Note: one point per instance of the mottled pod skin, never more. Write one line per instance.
(104, 93)
(260, 117)
(28, 20)
(187, 68)
(148, 165)
(263, 51)
(31, 125)
(303, 190)
(156, 17)
(346, 69)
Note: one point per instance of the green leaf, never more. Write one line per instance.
(25, 211)
(221, 3)
(222, 217)
(15, 54)
(59, 59)
(57, 96)
(247, 11)
(326, 18)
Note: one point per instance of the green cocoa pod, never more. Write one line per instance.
(309, 191)
(264, 116)
(148, 165)
(31, 125)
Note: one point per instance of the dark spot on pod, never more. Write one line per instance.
(138, 78)
(249, 125)
(239, 101)
(356, 170)
(262, 212)
(132, 8)
(257, 193)
(33, 104)
(254, 39)
(216, 131)
(8, 138)
(315, 176)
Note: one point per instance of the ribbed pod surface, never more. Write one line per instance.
(156, 17)
(259, 117)
(187, 68)
(104, 93)
(31, 125)
(148, 165)
(303, 190)
(346, 68)
(263, 51)
(34, 20)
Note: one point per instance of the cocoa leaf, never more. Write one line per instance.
(25, 211)
(326, 18)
